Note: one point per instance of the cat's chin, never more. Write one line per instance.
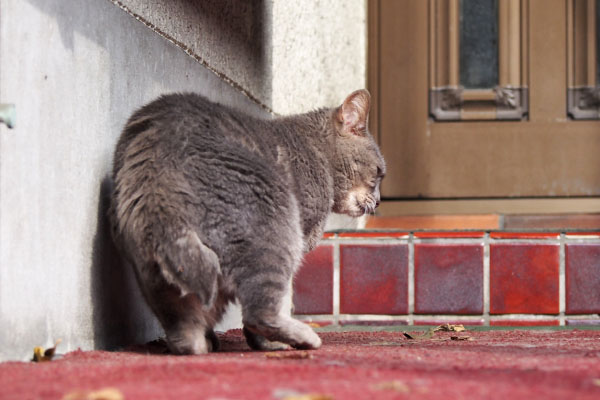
(356, 212)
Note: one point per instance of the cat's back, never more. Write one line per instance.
(184, 157)
(175, 122)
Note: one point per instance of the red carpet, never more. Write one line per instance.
(355, 365)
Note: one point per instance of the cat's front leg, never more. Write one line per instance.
(282, 329)
(258, 342)
(267, 322)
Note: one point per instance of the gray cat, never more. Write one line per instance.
(212, 205)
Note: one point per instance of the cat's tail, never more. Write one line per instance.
(190, 265)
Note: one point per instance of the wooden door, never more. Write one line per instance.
(535, 134)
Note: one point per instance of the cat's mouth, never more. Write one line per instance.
(367, 208)
(360, 203)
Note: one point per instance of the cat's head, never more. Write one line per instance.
(359, 165)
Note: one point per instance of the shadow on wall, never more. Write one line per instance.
(230, 36)
(120, 315)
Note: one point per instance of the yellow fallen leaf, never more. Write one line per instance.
(396, 386)
(41, 355)
(292, 355)
(313, 324)
(102, 394)
(450, 328)
(596, 382)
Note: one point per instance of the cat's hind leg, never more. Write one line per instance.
(187, 324)
(182, 286)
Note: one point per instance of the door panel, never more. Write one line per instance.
(546, 155)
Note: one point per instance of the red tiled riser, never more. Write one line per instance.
(448, 278)
(524, 278)
(313, 284)
(582, 263)
(374, 279)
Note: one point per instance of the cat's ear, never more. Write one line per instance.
(353, 114)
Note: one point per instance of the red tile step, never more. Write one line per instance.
(436, 222)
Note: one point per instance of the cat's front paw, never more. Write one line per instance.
(310, 341)
(258, 342)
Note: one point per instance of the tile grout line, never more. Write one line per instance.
(411, 279)
(336, 282)
(561, 280)
(486, 280)
(440, 317)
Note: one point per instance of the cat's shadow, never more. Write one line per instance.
(120, 315)
(230, 342)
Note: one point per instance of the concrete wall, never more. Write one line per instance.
(76, 69)
(319, 53)
(230, 37)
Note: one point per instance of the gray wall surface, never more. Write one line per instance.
(290, 56)
(75, 69)
(231, 37)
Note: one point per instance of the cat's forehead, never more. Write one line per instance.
(371, 150)
(367, 156)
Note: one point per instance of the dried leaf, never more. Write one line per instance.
(290, 355)
(424, 336)
(468, 338)
(41, 355)
(450, 328)
(396, 386)
(313, 324)
(102, 394)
